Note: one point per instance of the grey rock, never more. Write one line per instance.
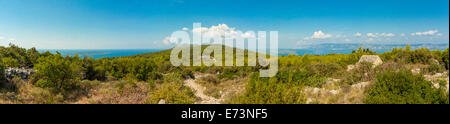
(23, 73)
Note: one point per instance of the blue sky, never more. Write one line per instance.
(144, 24)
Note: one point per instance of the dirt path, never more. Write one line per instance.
(198, 89)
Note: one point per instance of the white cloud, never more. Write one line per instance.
(380, 35)
(372, 35)
(319, 35)
(430, 32)
(358, 34)
(402, 34)
(387, 34)
(12, 39)
(347, 40)
(439, 34)
(219, 30)
(166, 40)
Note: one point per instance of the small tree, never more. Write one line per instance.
(57, 72)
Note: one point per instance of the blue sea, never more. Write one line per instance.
(100, 53)
(324, 49)
(320, 49)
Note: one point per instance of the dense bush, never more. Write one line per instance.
(17, 55)
(445, 58)
(134, 68)
(406, 55)
(421, 55)
(270, 91)
(325, 69)
(57, 72)
(404, 88)
(433, 68)
(2, 74)
(10, 62)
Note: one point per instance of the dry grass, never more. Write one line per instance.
(96, 92)
(20, 92)
(117, 92)
(331, 93)
(222, 89)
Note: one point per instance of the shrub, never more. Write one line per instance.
(270, 91)
(2, 74)
(325, 69)
(10, 62)
(17, 55)
(433, 68)
(187, 73)
(406, 55)
(404, 88)
(211, 79)
(362, 73)
(172, 91)
(421, 55)
(445, 58)
(57, 72)
(137, 68)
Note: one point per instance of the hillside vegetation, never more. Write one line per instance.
(406, 77)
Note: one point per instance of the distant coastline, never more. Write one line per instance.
(317, 49)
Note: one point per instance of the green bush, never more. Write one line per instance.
(421, 55)
(17, 55)
(404, 88)
(172, 91)
(325, 69)
(57, 72)
(2, 74)
(433, 68)
(10, 62)
(270, 91)
(445, 58)
(406, 55)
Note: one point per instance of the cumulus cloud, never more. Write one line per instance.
(220, 30)
(358, 34)
(371, 35)
(166, 40)
(430, 32)
(1, 38)
(319, 35)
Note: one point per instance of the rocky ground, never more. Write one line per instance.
(199, 91)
